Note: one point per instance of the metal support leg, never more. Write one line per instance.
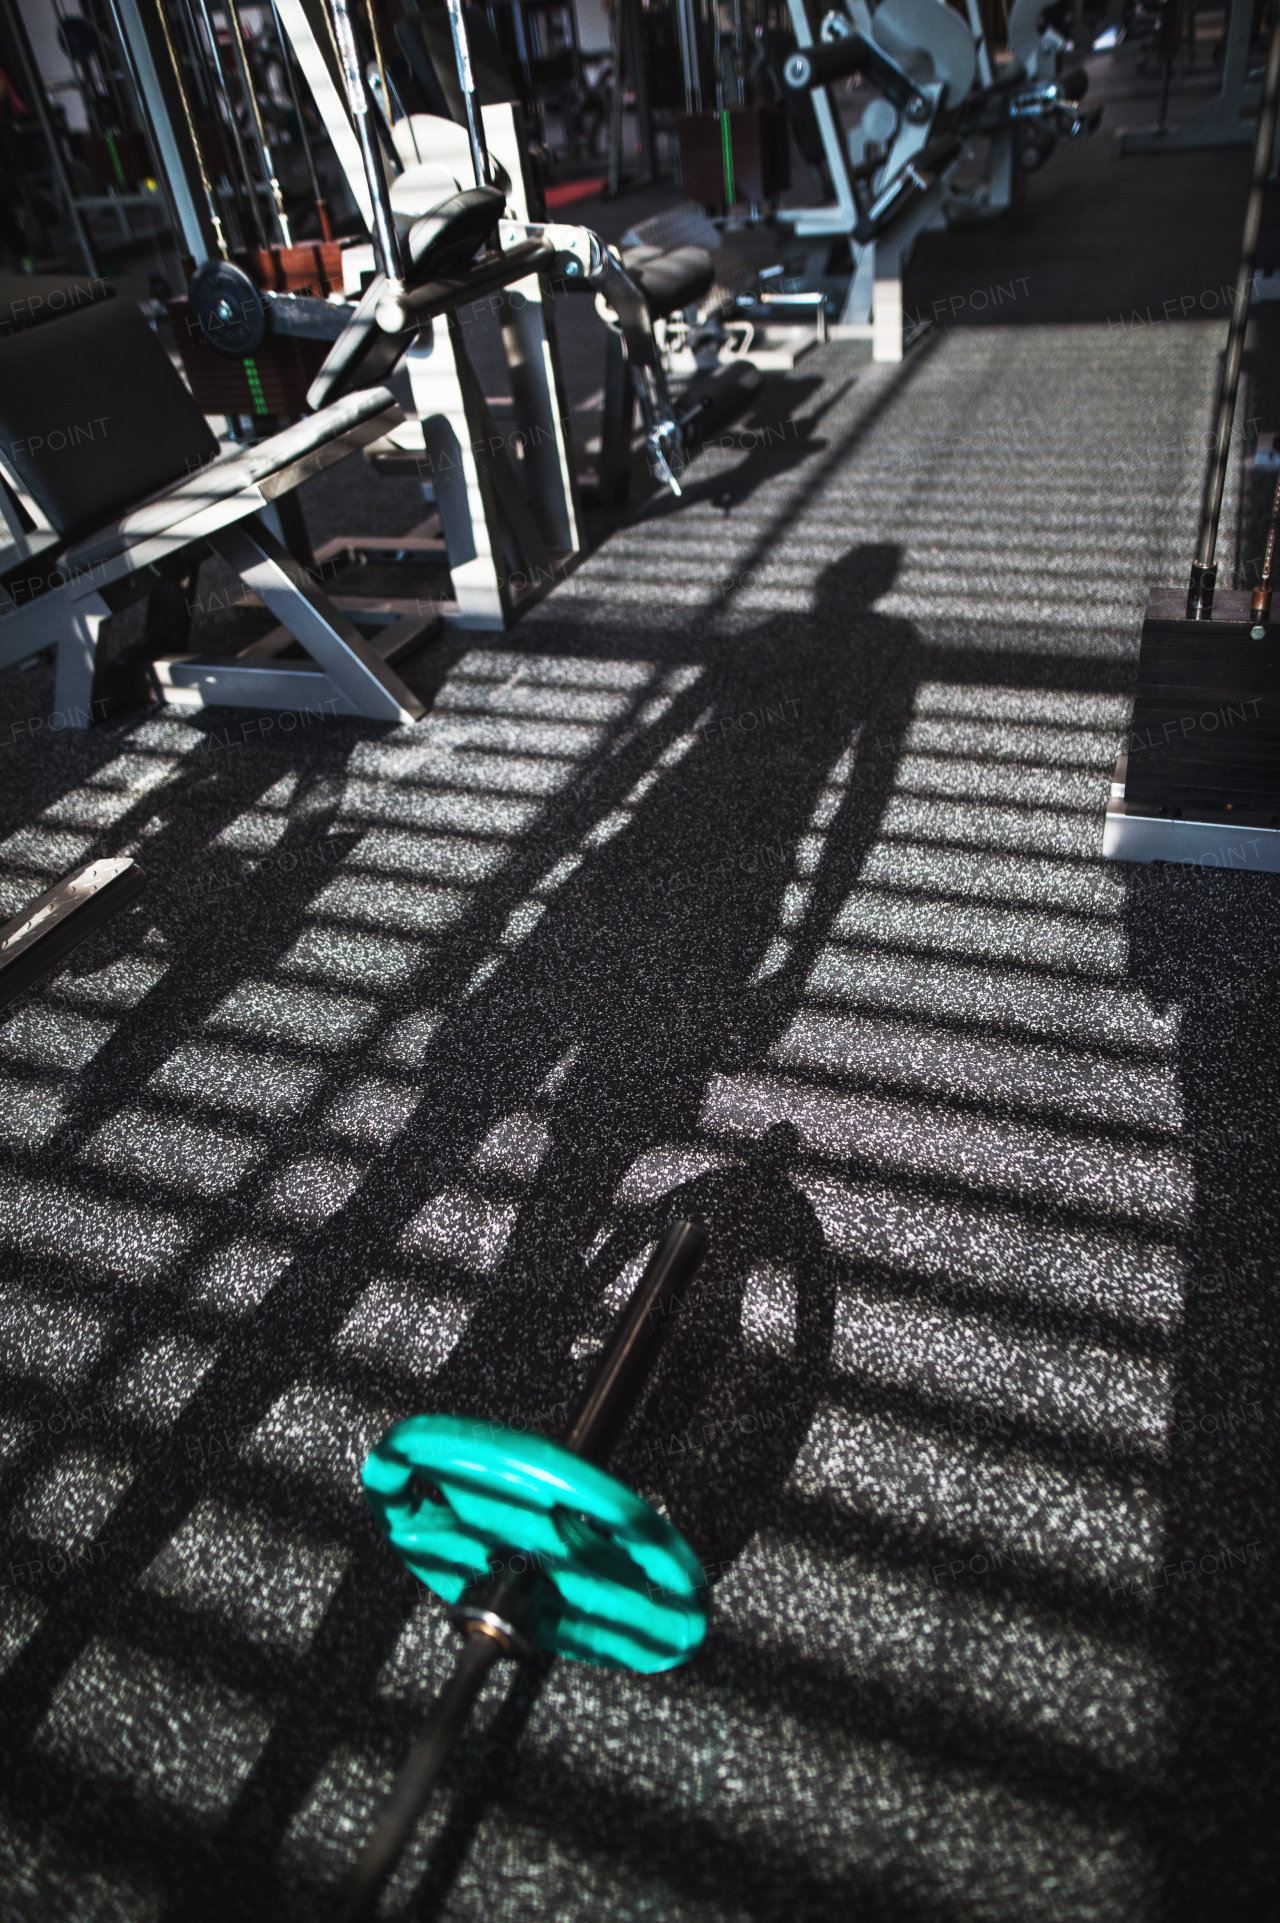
(616, 425)
(499, 482)
(1000, 177)
(474, 565)
(1219, 124)
(886, 315)
(528, 334)
(287, 522)
(893, 252)
(77, 659)
(861, 295)
(328, 635)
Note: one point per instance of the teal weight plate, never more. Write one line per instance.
(452, 1494)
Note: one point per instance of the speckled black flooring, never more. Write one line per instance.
(756, 876)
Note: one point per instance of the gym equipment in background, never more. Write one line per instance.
(733, 137)
(29, 81)
(537, 526)
(268, 330)
(1221, 122)
(144, 504)
(507, 502)
(304, 139)
(1199, 781)
(49, 927)
(890, 179)
(229, 305)
(245, 352)
(602, 1577)
(1029, 109)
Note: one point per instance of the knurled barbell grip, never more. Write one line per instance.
(620, 1374)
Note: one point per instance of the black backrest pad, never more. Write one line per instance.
(447, 237)
(94, 416)
(362, 355)
(26, 300)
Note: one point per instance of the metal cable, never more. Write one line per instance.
(195, 139)
(377, 54)
(251, 92)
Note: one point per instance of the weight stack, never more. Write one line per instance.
(274, 380)
(739, 155)
(1198, 780)
(271, 382)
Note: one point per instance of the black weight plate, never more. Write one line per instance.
(227, 308)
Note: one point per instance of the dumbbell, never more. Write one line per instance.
(534, 1546)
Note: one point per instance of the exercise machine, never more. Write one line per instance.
(144, 502)
(534, 1547)
(891, 178)
(1221, 122)
(1199, 779)
(507, 502)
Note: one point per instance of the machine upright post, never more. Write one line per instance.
(1204, 571)
(178, 165)
(466, 80)
(687, 26)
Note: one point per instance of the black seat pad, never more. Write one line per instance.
(669, 281)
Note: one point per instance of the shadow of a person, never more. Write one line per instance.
(657, 990)
(658, 986)
(746, 1357)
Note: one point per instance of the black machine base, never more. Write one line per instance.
(1199, 780)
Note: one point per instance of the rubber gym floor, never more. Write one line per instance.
(754, 876)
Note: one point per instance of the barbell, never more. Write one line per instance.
(534, 1546)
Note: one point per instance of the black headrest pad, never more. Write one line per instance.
(94, 416)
